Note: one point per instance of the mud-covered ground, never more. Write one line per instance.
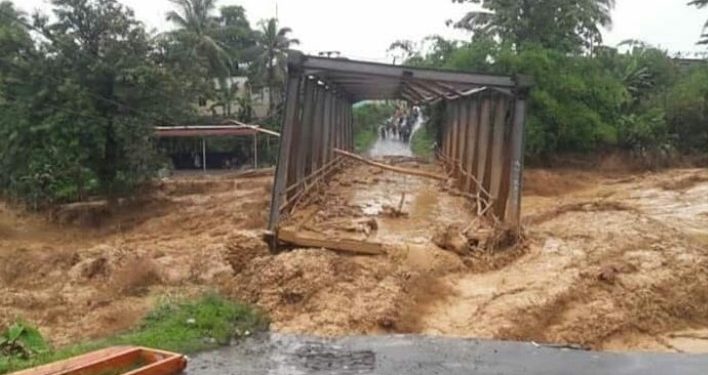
(610, 261)
(90, 270)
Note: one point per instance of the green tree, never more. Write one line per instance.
(14, 38)
(220, 42)
(235, 35)
(404, 51)
(687, 110)
(197, 29)
(567, 25)
(78, 104)
(271, 62)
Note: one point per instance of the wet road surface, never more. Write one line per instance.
(390, 146)
(277, 354)
(393, 145)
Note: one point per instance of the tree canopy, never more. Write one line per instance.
(587, 97)
(566, 25)
(270, 64)
(80, 91)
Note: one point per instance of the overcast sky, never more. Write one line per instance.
(363, 29)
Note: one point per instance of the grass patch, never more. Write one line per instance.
(364, 139)
(367, 119)
(422, 143)
(180, 326)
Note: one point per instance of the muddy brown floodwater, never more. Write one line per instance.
(94, 270)
(609, 261)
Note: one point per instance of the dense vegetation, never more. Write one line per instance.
(80, 91)
(422, 143)
(368, 117)
(587, 97)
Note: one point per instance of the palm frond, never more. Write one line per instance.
(284, 31)
(476, 20)
(177, 19)
(698, 3)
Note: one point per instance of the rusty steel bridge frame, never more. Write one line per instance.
(481, 143)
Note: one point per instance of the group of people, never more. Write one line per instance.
(401, 124)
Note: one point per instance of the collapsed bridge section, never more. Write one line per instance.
(479, 140)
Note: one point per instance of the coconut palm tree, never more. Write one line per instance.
(270, 63)
(197, 29)
(701, 4)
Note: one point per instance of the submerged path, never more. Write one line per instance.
(394, 146)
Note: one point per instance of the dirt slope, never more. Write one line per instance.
(610, 261)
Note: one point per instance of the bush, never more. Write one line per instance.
(644, 131)
(367, 119)
(639, 100)
(21, 341)
(575, 102)
(423, 142)
(687, 111)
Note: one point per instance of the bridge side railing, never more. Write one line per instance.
(482, 148)
(317, 119)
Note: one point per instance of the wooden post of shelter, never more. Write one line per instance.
(204, 168)
(255, 150)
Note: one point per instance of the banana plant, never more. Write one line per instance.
(21, 341)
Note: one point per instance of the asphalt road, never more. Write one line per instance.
(276, 354)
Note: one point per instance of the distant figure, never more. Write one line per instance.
(406, 133)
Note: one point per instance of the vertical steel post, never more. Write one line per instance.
(498, 148)
(446, 131)
(350, 122)
(297, 145)
(483, 144)
(307, 123)
(324, 152)
(318, 128)
(517, 162)
(461, 140)
(467, 111)
(454, 136)
(474, 135)
(292, 106)
(340, 124)
(333, 128)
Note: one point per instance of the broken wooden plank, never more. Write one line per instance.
(413, 172)
(307, 215)
(305, 239)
